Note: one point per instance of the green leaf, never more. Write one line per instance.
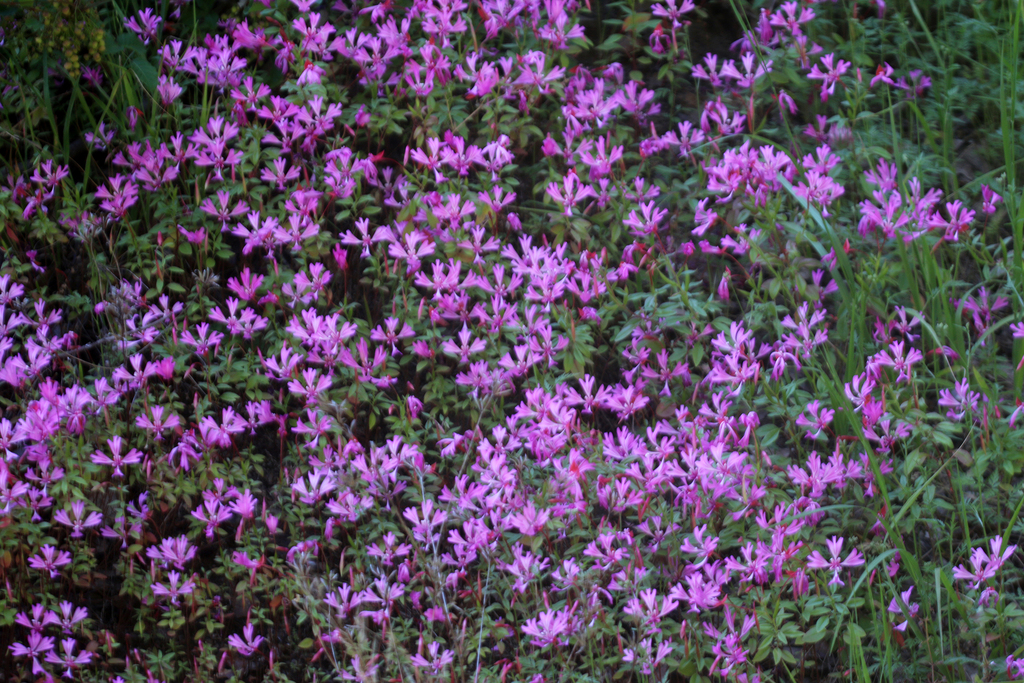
(146, 73)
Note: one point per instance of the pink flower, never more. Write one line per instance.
(50, 559)
(883, 74)
(834, 563)
(787, 17)
(571, 192)
(555, 32)
(550, 628)
(959, 221)
(913, 607)
(39, 619)
(37, 645)
(70, 615)
(819, 420)
(820, 190)
(700, 592)
(989, 199)
(672, 12)
(750, 74)
(832, 74)
(529, 521)
(438, 659)
(786, 102)
(646, 655)
(249, 645)
(69, 659)
(132, 457)
(898, 359)
(1014, 667)
(466, 347)
(156, 423)
(75, 521)
(626, 400)
(960, 401)
(175, 552)
(648, 224)
(723, 285)
(175, 588)
(204, 340)
(984, 566)
(705, 546)
(122, 195)
(311, 74)
(146, 26)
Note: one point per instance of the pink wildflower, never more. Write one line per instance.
(832, 74)
(984, 566)
(834, 563)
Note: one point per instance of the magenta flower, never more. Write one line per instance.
(156, 422)
(460, 157)
(647, 224)
(887, 218)
(391, 334)
(121, 196)
(1014, 667)
(248, 644)
(673, 11)
(883, 74)
(816, 418)
(253, 566)
(898, 359)
(788, 18)
(38, 644)
(71, 615)
(959, 221)
(702, 593)
(423, 528)
(984, 566)
(75, 520)
(175, 588)
(960, 400)
(50, 559)
(466, 347)
(175, 552)
(555, 30)
(39, 619)
(212, 513)
(819, 190)
(834, 563)
(68, 658)
(204, 340)
(858, 390)
(894, 608)
(646, 655)
(144, 24)
(818, 476)
(649, 610)
(706, 546)
(438, 659)
(550, 628)
(626, 400)
(529, 521)
(989, 199)
(750, 73)
(722, 291)
(364, 671)
(116, 460)
(571, 192)
(830, 76)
